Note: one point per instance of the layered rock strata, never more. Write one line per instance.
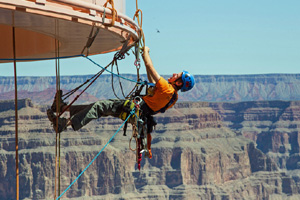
(215, 88)
(195, 156)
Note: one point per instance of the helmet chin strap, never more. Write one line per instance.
(174, 84)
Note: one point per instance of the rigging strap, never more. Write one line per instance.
(95, 78)
(113, 11)
(173, 99)
(90, 40)
(118, 56)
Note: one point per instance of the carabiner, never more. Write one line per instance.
(137, 63)
(137, 101)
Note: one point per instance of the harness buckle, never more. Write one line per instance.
(137, 101)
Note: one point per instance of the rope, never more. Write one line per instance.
(63, 57)
(16, 111)
(140, 23)
(94, 79)
(113, 11)
(90, 40)
(138, 82)
(112, 82)
(57, 138)
(131, 113)
(98, 75)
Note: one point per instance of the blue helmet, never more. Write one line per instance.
(188, 81)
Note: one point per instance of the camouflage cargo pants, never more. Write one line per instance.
(82, 114)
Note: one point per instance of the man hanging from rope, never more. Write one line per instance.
(163, 97)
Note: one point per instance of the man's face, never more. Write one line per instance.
(175, 77)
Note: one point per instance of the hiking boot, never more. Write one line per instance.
(61, 103)
(62, 125)
(62, 122)
(51, 116)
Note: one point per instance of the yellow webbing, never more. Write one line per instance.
(140, 23)
(113, 11)
(130, 106)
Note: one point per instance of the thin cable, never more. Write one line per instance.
(57, 139)
(68, 94)
(58, 106)
(63, 57)
(16, 109)
(95, 77)
(83, 91)
(131, 113)
(112, 81)
(138, 82)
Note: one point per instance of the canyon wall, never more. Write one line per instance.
(201, 150)
(213, 88)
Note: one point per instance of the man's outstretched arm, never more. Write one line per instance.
(152, 74)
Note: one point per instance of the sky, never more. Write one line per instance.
(205, 37)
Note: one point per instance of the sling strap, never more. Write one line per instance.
(146, 110)
(173, 99)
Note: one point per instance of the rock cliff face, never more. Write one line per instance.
(273, 125)
(196, 155)
(220, 88)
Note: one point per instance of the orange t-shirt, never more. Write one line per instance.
(163, 93)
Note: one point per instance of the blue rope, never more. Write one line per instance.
(131, 113)
(144, 82)
(63, 57)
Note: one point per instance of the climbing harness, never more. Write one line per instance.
(142, 135)
(127, 107)
(142, 126)
(139, 122)
(133, 114)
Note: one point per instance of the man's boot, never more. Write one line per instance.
(61, 104)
